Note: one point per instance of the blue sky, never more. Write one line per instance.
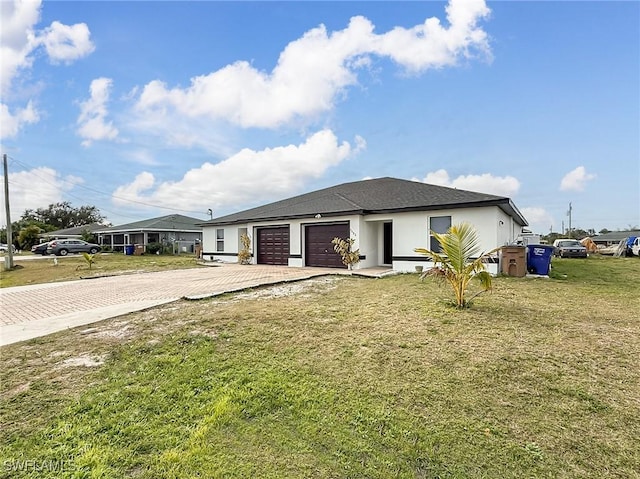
(150, 108)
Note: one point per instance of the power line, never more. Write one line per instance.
(83, 200)
(110, 195)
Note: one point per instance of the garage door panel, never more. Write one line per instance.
(318, 248)
(273, 245)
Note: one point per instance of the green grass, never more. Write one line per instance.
(349, 378)
(72, 267)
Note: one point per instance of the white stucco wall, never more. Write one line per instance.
(410, 230)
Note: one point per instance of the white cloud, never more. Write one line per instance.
(539, 219)
(17, 38)
(66, 43)
(486, 183)
(432, 45)
(13, 122)
(92, 125)
(143, 157)
(314, 70)
(247, 176)
(19, 44)
(36, 188)
(576, 180)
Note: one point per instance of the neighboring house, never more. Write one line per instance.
(387, 217)
(614, 237)
(71, 233)
(182, 232)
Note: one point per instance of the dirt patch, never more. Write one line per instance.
(289, 289)
(85, 361)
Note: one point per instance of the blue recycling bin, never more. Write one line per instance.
(129, 249)
(539, 259)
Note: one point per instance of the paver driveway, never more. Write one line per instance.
(33, 311)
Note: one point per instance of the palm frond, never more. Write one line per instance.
(459, 262)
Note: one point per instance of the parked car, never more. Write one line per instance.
(5, 248)
(569, 248)
(635, 246)
(66, 246)
(40, 248)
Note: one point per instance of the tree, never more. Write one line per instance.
(29, 236)
(88, 236)
(63, 215)
(455, 264)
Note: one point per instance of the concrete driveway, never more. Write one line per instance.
(34, 311)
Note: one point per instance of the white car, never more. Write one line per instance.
(5, 248)
(635, 246)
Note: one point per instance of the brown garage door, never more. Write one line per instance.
(273, 245)
(318, 248)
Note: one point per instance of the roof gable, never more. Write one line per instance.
(368, 197)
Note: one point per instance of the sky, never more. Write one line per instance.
(150, 108)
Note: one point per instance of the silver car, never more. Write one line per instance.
(65, 246)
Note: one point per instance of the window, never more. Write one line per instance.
(438, 224)
(220, 240)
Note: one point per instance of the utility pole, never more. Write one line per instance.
(569, 213)
(8, 261)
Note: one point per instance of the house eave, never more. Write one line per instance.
(147, 230)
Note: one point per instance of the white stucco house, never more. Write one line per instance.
(387, 217)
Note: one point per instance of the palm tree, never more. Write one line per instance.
(456, 263)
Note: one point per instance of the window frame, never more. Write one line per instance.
(219, 240)
(434, 245)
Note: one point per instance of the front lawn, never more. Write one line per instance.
(341, 377)
(53, 268)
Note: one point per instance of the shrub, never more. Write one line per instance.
(153, 248)
(244, 255)
(344, 248)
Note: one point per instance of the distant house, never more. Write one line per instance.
(182, 232)
(71, 233)
(614, 237)
(387, 217)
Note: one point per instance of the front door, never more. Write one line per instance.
(388, 244)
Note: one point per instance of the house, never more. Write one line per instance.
(613, 238)
(182, 233)
(387, 217)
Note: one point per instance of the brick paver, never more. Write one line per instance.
(52, 302)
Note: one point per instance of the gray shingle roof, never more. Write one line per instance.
(381, 195)
(616, 235)
(162, 223)
(77, 230)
